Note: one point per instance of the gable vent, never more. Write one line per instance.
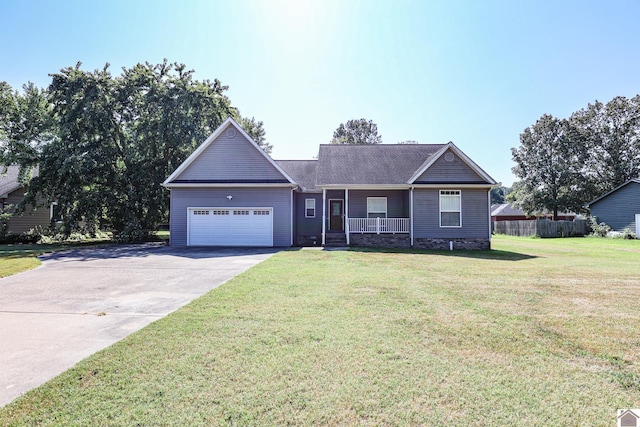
(448, 157)
(231, 132)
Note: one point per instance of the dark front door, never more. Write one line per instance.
(336, 215)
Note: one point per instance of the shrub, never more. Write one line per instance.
(600, 230)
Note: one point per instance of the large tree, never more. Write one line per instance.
(358, 131)
(611, 135)
(549, 164)
(116, 138)
(26, 125)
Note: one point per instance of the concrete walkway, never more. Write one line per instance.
(81, 301)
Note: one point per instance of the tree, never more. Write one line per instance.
(116, 139)
(256, 131)
(498, 195)
(611, 135)
(549, 164)
(26, 125)
(358, 131)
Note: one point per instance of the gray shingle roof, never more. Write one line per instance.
(390, 164)
(9, 179)
(303, 172)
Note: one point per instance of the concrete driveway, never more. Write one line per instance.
(81, 301)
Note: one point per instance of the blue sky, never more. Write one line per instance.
(473, 72)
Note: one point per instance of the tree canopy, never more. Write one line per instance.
(565, 163)
(105, 143)
(358, 131)
(549, 165)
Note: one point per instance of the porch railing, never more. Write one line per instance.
(378, 225)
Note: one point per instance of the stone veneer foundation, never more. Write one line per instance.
(403, 241)
(482, 244)
(380, 240)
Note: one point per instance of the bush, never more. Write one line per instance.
(599, 230)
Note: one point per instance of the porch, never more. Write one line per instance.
(366, 217)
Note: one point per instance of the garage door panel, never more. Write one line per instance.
(230, 227)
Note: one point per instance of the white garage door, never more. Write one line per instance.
(230, 227)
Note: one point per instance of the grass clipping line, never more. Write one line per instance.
(533, 332)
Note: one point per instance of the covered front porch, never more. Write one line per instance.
(366, 217)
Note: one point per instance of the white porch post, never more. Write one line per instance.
(346, 213)
(411, 216)
(324, 214)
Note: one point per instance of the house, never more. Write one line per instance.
(229, 192)
(508, 212)
(627, 418)
(12, 192)
(620, 207)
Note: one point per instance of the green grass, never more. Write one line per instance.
(535, 332)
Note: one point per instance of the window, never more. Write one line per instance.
(450, 208)
(310, 208)
(376, 207)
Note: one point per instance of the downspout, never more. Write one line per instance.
(292, 218)
(411, 216)
(324, 213)
(346, 213)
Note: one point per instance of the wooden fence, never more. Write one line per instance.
(542, 228)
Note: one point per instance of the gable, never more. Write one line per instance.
(229, 156)
(450, 167)
(625, 190)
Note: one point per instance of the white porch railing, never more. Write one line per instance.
(378, 225)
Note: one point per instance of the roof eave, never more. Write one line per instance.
(226, 185)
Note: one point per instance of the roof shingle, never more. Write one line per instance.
(380, 164)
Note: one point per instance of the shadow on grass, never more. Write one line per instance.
(492, 254)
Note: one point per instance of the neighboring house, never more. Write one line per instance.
(11, 194)
(229, 192)
(508, 212)
(620, 207)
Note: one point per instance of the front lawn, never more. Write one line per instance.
(535, 332)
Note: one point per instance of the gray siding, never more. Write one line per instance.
(618, 210)
(29, 219)
(230, 158)
(397, 202)
(307, 227)
(455, 171)
(475, 215)
(277, 198)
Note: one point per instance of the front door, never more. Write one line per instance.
(336, 215)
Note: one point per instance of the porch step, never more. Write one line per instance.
(335, 240)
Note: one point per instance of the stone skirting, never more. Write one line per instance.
(380, 240)
(482, 244)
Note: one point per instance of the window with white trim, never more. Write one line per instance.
(376, 207)
(450, 208)
(310, 208)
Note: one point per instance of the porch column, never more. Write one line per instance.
(346, 213)
(324, 213)
(411, 216)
